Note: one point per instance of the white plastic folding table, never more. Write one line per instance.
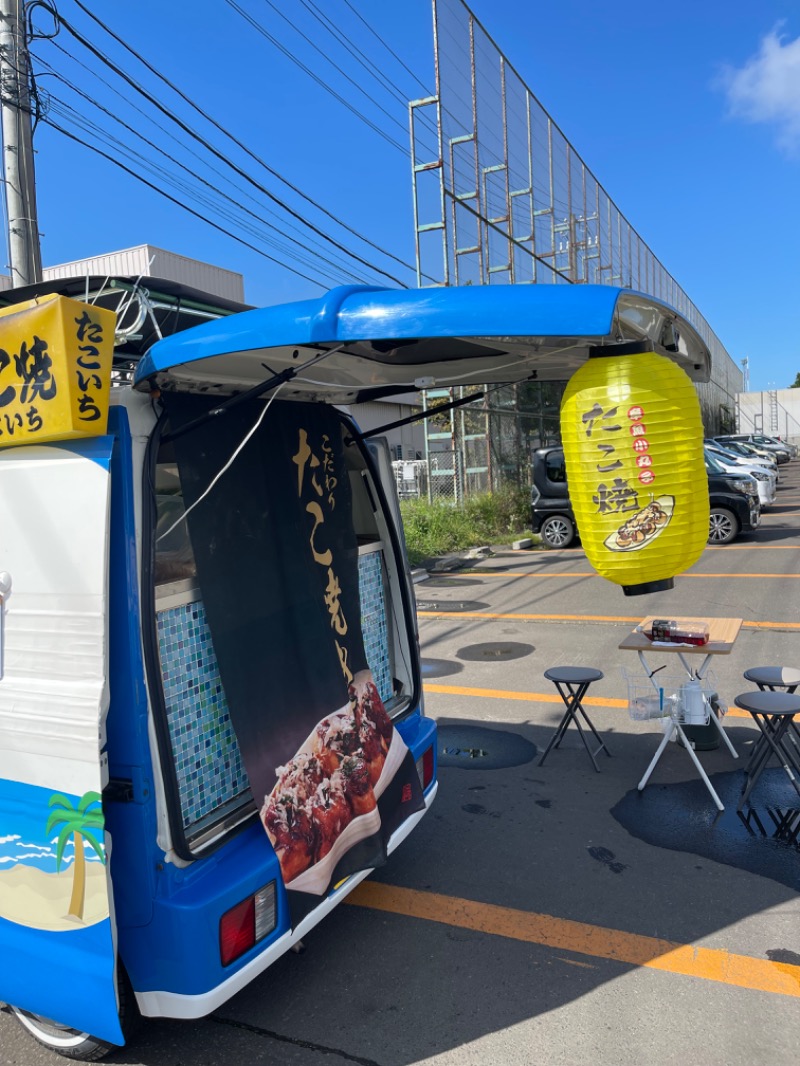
(722, 635)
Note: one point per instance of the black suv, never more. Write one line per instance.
(734, 501)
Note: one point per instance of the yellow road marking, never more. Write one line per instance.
(749, 547)
(594, 941)
(580, 618)
(539, 697)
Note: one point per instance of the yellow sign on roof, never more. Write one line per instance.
(55, 370)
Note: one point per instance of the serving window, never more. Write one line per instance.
(212, 781)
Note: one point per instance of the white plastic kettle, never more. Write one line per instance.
(694, 703)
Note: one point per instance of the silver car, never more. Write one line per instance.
(732, 462)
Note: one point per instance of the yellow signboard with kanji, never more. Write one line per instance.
(55, 370)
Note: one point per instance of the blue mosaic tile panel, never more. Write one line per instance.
(373, 621)
(207, 757)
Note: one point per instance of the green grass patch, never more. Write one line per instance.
(433, 529)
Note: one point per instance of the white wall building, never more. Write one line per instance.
(148, 261)
(775, 413)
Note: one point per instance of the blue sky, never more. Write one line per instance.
(689, 115)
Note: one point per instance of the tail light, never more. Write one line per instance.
(244, 925)
(425, 767)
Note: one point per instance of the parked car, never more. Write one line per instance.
(765, 441)
(735, 463)
(734, 503)
(748, 453)
(733, 497)
(762, 443)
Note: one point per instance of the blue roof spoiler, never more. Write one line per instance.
(356, 341)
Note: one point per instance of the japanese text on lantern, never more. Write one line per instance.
(318, 490)
(615, 495)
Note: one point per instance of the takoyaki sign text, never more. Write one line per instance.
(620, 439)
(316, 487)
(55, 370)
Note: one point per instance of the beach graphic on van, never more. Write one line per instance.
(52, 860)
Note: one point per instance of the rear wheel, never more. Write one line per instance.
(72, 1043)
(557, 531)
(723, 526)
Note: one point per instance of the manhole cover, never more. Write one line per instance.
(473, 746)
(451, 605)
(440, 668)
(495, 570)
(451, 582)
(499, 652)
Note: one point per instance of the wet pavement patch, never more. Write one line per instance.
(763, 838)
(440, 668)
(474, 747)
(451, 582)
(451, 605)
(499, 652)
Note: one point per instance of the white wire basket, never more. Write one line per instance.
(665, 696)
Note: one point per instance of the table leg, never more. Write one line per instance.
(723, 734)
(699, 765)
(659, 752)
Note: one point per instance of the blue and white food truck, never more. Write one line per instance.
(211, 724)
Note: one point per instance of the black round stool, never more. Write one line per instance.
(777, 679)
(773, 713)
(771, 678)
(572, 683)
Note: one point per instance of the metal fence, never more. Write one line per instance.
(501, 196)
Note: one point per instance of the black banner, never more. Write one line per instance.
(277, 564)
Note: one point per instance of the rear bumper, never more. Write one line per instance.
(160, 1004)
(174, 961)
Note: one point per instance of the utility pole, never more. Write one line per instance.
(18, 170)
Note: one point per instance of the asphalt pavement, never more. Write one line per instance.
(554, 914)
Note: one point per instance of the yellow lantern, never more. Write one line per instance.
(633, 449)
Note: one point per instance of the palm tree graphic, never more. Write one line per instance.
(78, 821)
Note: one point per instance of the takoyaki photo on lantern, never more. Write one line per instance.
(643, 527)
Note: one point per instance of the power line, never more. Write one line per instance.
(172, 199)
(193, 173)
(218, 154)
(259, 28)
(271, 170)
(121, 149)
(388, 49)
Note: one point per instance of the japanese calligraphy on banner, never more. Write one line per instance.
(55, 370)
(277, 563)
(633, 447)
